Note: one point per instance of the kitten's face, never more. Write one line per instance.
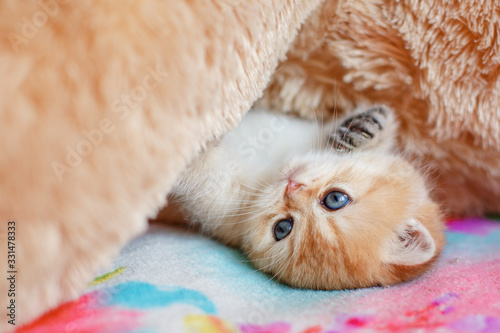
(345, 221)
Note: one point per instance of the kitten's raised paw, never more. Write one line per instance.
(363, 129)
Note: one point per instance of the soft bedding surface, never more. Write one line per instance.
(174, 280)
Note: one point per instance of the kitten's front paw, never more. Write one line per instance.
(364, 128)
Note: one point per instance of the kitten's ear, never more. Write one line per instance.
(413, 245)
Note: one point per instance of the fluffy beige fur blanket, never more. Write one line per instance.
(103, 104)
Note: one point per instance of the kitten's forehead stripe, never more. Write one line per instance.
(313, 245)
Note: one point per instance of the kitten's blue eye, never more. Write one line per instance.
(335, 200)
(282, 229)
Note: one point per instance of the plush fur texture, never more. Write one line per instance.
(158, 79)
(275, 169)
(103, 104)
(436, 63)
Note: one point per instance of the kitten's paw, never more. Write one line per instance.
(366, 128)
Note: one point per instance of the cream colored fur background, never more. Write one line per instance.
(103, 104)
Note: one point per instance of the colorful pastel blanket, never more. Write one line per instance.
(173, 280)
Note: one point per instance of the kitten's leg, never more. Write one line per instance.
(369, 128)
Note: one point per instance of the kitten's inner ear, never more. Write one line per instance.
(413, 245)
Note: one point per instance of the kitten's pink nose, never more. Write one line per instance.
(292, 186)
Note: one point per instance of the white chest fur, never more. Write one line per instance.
(263, 142)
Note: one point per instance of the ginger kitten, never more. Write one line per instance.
(316, 206)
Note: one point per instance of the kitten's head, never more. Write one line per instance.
(345, 221)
